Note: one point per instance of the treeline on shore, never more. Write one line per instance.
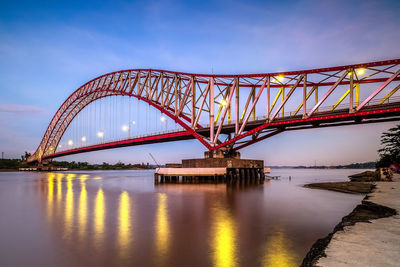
(104, 166)
(14, 164)
(364, 165)
(11, 164)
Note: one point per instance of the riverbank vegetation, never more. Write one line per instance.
(104, 166)
(363, 165)
(15, 164)
(10, 164)
(390, 149)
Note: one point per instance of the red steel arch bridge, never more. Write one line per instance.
(226, 112)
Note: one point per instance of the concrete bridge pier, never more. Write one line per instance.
(217, 166)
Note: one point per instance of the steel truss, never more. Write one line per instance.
(241, 109)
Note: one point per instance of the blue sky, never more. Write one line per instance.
(50, 48)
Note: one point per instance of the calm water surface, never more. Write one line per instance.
(105, 218)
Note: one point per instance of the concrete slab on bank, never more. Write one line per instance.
(369, 244)
(191, 171)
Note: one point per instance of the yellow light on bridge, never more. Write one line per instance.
(125, 128)
(83, 138)
(70, 142)
(360, 71)
(51, 148)
(100, 134)
(162, 119)
(280, 78)
(224, 103)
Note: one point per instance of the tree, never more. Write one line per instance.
(390, 151)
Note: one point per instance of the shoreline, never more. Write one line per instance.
(132, 169)
(338, 247)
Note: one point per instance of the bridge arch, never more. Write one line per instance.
(89, 93)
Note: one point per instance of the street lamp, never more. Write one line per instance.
(360, 71)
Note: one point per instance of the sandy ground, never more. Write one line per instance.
(369, 244)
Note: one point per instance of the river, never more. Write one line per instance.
(107, 218)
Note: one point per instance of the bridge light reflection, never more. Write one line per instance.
(99, 211)
(59, 188)
(125, 128)
(162, 227)
(124, 224)
(100, 134)
(162, 119)
(82, 214)
(69, 205)
(50, 194)
(278, 251)
(224, 239)
(83, 139)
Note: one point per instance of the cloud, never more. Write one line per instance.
(19, 109)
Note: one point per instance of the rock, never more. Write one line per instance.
(344, 187)
(367, 176)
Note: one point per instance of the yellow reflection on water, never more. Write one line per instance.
(99, 211)
(162, 226)
(124, 224)
(224, 239)
(82, 213)
(69, 205)
(277, 252)
(59, 188)
(50, 194)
